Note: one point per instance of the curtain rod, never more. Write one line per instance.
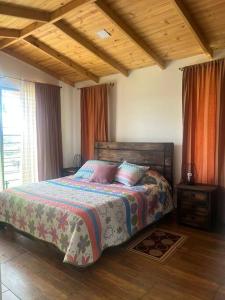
(19, 79)
(109, 84)
(182, 68)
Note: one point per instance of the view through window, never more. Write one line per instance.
(12, 123)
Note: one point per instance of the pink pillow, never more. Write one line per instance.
(104, 174)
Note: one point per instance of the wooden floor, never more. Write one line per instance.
(33, 270)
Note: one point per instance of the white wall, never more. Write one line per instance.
(70, 116)
(147, 106)
(10, 66)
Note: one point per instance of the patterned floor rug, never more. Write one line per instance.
(158, 244)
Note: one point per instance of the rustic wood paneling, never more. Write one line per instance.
(159, 156)
(134, 156)
(130, 145)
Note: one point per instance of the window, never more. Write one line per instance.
(18, 136)
(12, 124)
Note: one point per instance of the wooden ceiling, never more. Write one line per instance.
(59, 36)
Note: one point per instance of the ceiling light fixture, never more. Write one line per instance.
(103, 34)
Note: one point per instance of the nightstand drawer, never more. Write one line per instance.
(193, 203)
(194, 208)
(199, 196)
(195, 220)
(194, 196)
(186, 195)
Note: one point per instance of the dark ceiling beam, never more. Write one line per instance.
(61, 58)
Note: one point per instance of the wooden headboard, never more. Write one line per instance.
(159, 156)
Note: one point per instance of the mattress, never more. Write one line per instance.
(83, 218)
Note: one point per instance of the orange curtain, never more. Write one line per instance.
(94, 119)
(204, 121)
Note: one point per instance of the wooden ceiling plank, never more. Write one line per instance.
(63, 59)
(62, 11)
(129, 32)
(24, 12)
(192, 25)
(38, 66)
(74, 35)
(54, 17)
(9, 33)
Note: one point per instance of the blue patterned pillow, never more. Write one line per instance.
(87, 170)
(130, 174)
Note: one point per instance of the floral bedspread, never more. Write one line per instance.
(83, 218)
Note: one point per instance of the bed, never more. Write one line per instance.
(83, 218)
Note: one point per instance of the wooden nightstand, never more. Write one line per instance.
(197, 205)
(69, 171)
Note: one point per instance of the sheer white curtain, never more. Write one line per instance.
(29, 134)
(1, 150)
